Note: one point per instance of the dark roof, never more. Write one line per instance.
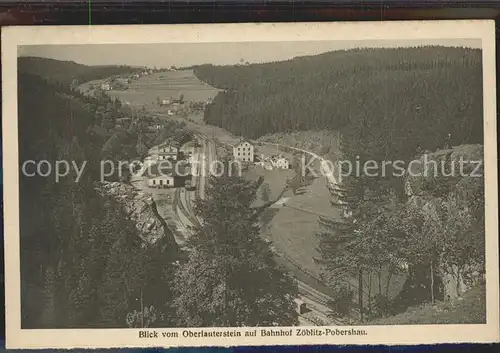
(172, 143)
(242, 141)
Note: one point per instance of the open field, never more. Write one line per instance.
(170, 84)
(293, 228)
(276, 179)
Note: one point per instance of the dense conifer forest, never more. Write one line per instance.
(82, 261)
(69, 72)
(392, 100)
(386, 105)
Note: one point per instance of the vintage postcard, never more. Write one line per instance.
(250, 184)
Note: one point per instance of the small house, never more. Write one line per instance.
(105, 86)
(280, 162)
(168, 175)
(168, 150)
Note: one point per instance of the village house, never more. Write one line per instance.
(243, 151)
(168, 175)
(165, 179)
(105, 86)
(166, 151)
(280, 162)
(273, 162)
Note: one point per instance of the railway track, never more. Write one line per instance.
(184, 196)
(317, 301)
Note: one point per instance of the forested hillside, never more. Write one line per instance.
(386, 105)
(419, 95)
(82, 261)
(69, 72)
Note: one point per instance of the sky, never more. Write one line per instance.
(188, 54)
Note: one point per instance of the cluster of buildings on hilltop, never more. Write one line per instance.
(244, 151)
(176, 106)
(177, 173)
(115, 84)
(121, 81)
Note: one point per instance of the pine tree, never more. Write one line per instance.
(230, 278)
(353, 247)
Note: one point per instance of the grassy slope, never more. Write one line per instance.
(470, 309)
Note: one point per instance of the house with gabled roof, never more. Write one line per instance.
(244, 151)
(168, 151)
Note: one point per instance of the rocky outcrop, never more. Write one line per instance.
(141, 209)
(453, 200)
(467, 162)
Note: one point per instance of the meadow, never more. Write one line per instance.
(145, 90)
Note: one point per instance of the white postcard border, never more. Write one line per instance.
(12, 37)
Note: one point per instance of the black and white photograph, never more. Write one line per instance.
(318, 185)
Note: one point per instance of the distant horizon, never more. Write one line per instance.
(194, 54)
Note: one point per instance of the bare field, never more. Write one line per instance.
(169, 84)
(276, 179)
(293, 229)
